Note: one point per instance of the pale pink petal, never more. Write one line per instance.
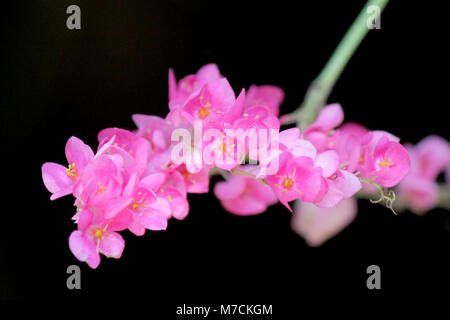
(244, 207)
(332, 197)
(351, 184)
(328, 161)
(112, 245)
(83, 249)
(267, 96)
(178, 203)
(172, 85)
(236, 109)
(162, 204)
(330, 117)
(84, 219)
(433, 156)
(354, 129)
(418, 194)
(154, 220)
(78, 152)
(317, 225)
(230, 189)
(208, 73)
(154, 181)
(56, 180)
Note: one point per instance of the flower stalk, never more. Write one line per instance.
(318, 92)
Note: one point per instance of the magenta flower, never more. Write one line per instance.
(244, 196)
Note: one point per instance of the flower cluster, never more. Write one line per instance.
(419, 191)
(138, 180)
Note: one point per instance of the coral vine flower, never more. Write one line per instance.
(317, 225)
(179, 92)
(266, 96)
(60, 180)
(321, 133)
(134, 150)
(384, 161)
(419, 190)
(96, 235)
(147, 211)
(244, 196)
(297, 178)
(155, 129)
(211, 104)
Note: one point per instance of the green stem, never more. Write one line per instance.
(444, 196)
(320, 88)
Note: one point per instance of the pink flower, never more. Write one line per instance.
(418, 193)
(338, 184)
(147, 211)
(100, 183)
(179, 206)
(211, 104)
(194, 182)
(342, 185)
(317, 225)
(321, 132)
(384, 161)
(349, 145)
(60, 180)
(267, 96)
(244, 195)
(155, 129)
(96, 235)
(178, 93)
(257, 118)
(134, 151)
(290, 140)
(297, 178)
(418, 190)
(431, 157)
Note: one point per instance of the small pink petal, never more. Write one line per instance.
(328, 161)
(78, 152)
(83, 249)
(112, 245)
(56, 180)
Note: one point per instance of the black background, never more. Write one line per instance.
(58, 82)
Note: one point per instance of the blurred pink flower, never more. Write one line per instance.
(419, 190)
(317, 225)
